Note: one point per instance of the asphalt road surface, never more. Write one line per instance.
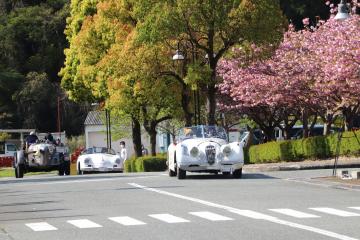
(276, 205)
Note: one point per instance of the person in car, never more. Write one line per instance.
(31, 139)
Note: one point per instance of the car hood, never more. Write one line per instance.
(202, 143)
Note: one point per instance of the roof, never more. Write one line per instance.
(94, 118)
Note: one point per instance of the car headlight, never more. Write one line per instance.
(87, 161)
(117, 161)
(194, 152)
(227, 151)
(184, 150)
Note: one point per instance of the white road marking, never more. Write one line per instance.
(41, 226)
(84, 223)
(333, 211)
(211, 216)
(169, 218)
(294, 213)
(357, 208)
(127, 221)
(249, 213)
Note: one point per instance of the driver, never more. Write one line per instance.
(31, 139)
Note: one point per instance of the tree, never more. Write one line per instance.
(212, 27)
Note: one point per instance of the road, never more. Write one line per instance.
(274, 205)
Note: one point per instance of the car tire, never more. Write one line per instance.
(237, 173)
(181, 174)
(67, 168)
(171, 173)
(79, 172)
(61, 169)
(20, 171)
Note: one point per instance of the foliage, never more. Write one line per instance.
(210, 28)
(319, 147)
(146, 164)
(76, 142)
(4, 137)
(313, 71)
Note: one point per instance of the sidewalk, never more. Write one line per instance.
(343, 162)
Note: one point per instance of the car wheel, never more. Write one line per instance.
(237, 173)
(171, 173)
(181, 174)
(19, 171)
(79, 172)
(61, 169)
(67, 168)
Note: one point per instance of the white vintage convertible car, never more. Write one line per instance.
(205, 149)
(98, 159)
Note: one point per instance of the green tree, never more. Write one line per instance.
(211, 27)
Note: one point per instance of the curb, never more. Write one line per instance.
(296, 167)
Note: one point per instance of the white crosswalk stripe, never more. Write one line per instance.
(337, 212)
(84, 223)
(294, 213)
(168, 218)
(211, 216)
(41, 226)
(252, 214)
(127, 221)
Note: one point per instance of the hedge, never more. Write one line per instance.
(318, 147)
(146, 164)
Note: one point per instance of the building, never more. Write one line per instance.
(95, 135)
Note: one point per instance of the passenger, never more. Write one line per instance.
(123, 151)
(50, 138)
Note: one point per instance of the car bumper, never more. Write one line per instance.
(220, 167)
(101, 169)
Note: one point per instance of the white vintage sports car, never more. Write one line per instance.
(205, 149)
(99, 159)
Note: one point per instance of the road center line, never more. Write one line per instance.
(248, 213)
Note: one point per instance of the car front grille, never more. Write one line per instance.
(210, 154)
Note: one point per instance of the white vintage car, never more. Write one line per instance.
(99, 159)
(205, 149)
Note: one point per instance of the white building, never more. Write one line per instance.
(95, 135)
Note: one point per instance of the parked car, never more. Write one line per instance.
(98, 159)
(42, 156)
(205, 149)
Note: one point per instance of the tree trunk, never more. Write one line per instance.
(152, 134)
(211, 104)
(185, 101)
(136, 137)
(305, 122)
(329, 119)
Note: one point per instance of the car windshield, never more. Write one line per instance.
(202, 132)
(99, 150)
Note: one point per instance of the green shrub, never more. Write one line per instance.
(318, 147)
(146, 164)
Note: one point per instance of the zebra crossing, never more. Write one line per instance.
(205, 215)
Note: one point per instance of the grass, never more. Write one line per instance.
(10, 172)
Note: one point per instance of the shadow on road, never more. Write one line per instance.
(68, 178)
(44, 217)
(35, 211)
(26, 203)
(219, 176)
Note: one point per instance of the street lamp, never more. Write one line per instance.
(343, 11)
